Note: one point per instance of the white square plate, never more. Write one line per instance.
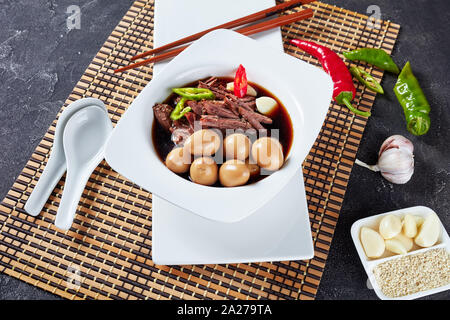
(277, 232)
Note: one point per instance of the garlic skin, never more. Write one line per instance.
(396, 141)
(395, 160)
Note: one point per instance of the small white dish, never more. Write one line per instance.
(304, 90)
(369, 264)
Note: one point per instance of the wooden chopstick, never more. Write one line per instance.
(229, 25)
(249, 30)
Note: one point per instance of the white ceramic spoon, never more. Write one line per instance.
(56, 165)
(84, 140)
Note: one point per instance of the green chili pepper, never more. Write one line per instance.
(376, 57)
(194, 93)
(180, 110)
(366, 79)
(413, 100)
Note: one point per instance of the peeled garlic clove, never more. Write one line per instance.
(395, 246)
(429, 232)
(407, 242)
(419, 220)
(250, 90)
(409, 226)
(372, 242)
(390, 226)
(266, 105)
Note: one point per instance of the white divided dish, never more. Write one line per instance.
(370, 263)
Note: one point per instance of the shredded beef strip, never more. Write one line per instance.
(247, 116)
(191, 118)
(196, 107)
(180, 131)
(212, 107)
(221, 93)
(218, 108)
(211, 81)
(257, 116)
(235, 106)
(232, 106)
(224, 123)
(249, 104)
(162, 114)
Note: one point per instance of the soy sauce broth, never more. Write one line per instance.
(280, 120)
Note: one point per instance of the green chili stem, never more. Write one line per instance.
(354, 110)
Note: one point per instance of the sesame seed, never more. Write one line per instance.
(414, 273)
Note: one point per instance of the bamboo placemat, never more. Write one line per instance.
(107, 252)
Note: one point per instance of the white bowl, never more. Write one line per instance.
(303, 89)
(369, 263)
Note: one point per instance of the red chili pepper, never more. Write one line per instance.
(240, 82)
(344, 91)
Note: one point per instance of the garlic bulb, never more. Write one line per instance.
(395, 160)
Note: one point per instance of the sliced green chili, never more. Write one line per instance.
(194, 93)
(374, 56)
(366, 79)
(180, 110)
(413, 100)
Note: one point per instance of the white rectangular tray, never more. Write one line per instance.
(369, 264)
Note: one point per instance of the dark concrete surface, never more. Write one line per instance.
(41, 61)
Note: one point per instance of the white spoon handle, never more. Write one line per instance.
(53, 171)
(73, 189)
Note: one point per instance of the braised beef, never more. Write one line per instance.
(247, 102)
(196, 107)
(257, 116)
(247, 116)
(162, 114)
(221, 93)
(180, 131)
(191, 118)
(224, 123)
(218, 108)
